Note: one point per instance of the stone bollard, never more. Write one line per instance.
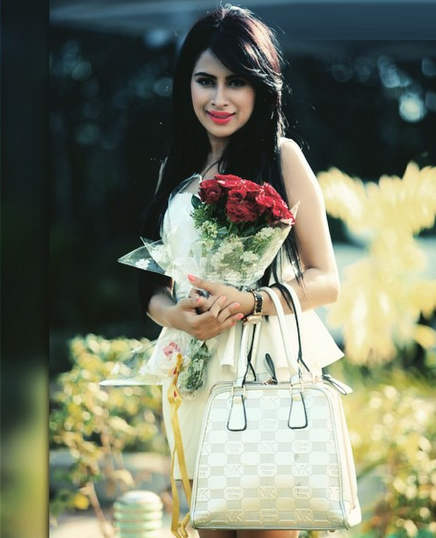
(138, 514)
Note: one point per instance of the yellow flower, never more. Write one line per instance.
(383, 295)
(80, 501)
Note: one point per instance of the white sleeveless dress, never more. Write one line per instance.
(318, 347)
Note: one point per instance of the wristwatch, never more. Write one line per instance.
(256, 315)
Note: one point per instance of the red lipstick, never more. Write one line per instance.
(221, 118)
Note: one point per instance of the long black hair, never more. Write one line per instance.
(247, 47)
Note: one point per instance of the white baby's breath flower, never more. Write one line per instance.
(249, 257)
(226, 248)
(209, 228)
(232, 276)
(216, 258)
(234, 242)
(265, 233)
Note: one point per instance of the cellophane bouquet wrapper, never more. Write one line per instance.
(215, 253)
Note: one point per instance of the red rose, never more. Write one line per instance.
(228, 181)
(252, 189)
(270, 190)
(280, 212)
(241, 211)
(237, 193)
(210, 191)
(264, 202)
(275, 204)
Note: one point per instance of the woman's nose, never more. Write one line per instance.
(220, 97)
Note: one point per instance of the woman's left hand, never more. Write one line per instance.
(216, 289)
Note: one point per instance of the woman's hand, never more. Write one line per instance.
(216, 319)
(215, 290)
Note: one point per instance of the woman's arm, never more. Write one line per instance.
(149, 285)
(184, 314)
(158, 306)
(321, 278)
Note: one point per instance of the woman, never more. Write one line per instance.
(227, 118)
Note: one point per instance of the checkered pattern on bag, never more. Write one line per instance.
(268, 473)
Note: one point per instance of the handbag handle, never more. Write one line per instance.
(295, 365)
(296, 307)
(292, 363)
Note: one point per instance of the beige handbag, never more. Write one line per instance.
(275, 455)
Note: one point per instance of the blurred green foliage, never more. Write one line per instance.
(397, 444)
(98, 424)
(393, 433)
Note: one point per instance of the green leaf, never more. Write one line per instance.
(196, 202)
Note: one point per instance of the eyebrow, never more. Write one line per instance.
(204, 74)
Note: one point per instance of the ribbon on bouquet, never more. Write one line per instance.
(178, 528)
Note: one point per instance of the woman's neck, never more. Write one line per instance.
(217, 147)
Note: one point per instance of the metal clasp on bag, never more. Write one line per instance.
(297, 419)
(297, 411)
(237, 419)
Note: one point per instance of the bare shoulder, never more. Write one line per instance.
(311, 225)
(290, 150)
(288, 143)
(297, 172)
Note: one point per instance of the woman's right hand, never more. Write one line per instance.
(205, 325)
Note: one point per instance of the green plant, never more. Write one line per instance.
(98, 424)
(398, 444)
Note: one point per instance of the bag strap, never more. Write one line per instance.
(292, 363)
(243, 361)
(298, 315)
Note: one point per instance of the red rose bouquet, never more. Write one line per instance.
(238, 200)
(233, 232)
(241, 227)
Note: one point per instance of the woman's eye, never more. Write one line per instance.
(204, 81)
(238, 82)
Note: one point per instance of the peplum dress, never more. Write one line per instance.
(318, 346)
